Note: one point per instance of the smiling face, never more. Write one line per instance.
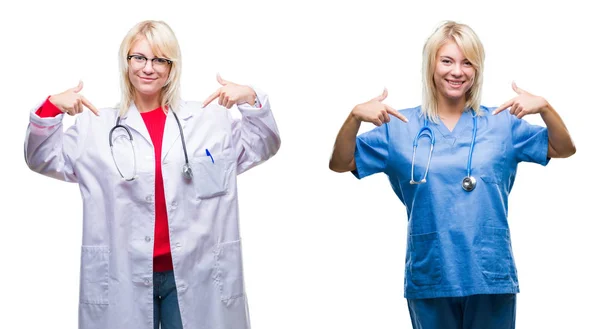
(454, 73)
(148, 77)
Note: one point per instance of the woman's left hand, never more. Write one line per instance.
(231, 94)
(523, 104)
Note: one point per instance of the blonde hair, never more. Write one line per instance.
(472, 48)
(163, 42)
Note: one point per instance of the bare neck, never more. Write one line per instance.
(450, 108)
(146, 103)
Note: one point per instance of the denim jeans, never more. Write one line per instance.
(166, 307)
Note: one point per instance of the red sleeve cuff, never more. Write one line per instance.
(48, 109)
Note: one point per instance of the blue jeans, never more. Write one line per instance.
(470, 312)
(166, 307)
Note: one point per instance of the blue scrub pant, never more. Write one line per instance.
(166, 306)
(470, 312)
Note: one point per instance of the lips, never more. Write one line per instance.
(147, 79)
(454, 83)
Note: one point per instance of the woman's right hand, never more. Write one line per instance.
(375, 111)
(71, 102)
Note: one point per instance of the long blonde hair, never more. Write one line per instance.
(468, 42)
(163, 42)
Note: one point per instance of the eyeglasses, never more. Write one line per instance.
(158, 63)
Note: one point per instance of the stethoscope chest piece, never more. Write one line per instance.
(187, 171)
(469, 183)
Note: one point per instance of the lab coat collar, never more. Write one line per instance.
(134, 120)
(171, 134)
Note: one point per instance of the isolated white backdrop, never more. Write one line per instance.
(321, 250)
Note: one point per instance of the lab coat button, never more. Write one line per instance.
(177, 245)
(149, 198)
(148, 239)
(174, 204)
(147, 282)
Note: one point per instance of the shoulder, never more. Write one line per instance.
(486, 111)
(196, 108)
(503, 117)
(413, 114)
(212, 114)
(106, 116)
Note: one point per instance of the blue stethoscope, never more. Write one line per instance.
(469, 182)
(187, 169)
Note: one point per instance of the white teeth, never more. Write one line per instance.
(455, 83)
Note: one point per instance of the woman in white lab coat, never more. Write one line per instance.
(156, 250)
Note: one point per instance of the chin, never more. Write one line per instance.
(147, 90)
(455, 95)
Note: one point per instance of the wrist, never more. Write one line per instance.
(354, 114)
(252, 97)
(545, 107)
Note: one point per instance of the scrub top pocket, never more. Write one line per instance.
(489, 162)
(425, 267)
(494, 253)
(210, 176)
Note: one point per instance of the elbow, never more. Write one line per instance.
(272, 146)
(340, 168)
(565, 152)
(333, 167)
(570, 151)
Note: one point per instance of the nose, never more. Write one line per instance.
(148, 68)
(456, 70)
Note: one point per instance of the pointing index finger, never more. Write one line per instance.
(211, 98)
(395, 113)
(90, 106)
(503, 106)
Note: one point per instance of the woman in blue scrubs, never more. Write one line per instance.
(460, 271)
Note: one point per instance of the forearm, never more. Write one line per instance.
(342, 158)
(560, 144)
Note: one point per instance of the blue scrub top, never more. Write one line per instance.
(458, 242)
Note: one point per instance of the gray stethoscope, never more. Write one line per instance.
(187, 169)
(469, 182)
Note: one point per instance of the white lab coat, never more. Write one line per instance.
(116, 287)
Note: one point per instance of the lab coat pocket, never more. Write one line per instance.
(94, 275)
(494, 253)
(425, 267)
(228, 276)
(210, 176)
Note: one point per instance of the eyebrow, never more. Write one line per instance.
(450, 57)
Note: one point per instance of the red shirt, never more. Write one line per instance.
(155, 123)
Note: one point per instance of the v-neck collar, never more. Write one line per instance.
(464, 123)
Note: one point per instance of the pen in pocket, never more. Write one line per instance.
(209, 155)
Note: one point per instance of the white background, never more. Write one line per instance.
(321, 250)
